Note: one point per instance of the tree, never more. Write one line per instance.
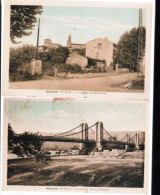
(126, 51)
(60, 55)
(26, 144)
(81, 52)
(54, 56)
(19, 55)
(23, 19)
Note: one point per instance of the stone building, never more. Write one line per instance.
(71, 45)
(101, 49)
(77, 59)
(47, 45)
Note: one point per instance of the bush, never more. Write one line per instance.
(19, 55)
(69, 68)
(92, 62)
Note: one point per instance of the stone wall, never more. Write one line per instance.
(77, 59)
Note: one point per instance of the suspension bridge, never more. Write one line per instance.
(95, 137)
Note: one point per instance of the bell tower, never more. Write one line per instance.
(69, 42)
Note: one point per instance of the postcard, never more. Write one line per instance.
(76, 145)
(78, 48)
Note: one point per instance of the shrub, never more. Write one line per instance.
(69, 68)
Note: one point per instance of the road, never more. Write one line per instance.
(105, 83)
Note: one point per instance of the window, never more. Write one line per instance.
(99, 46)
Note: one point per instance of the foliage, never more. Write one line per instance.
(81, 52)
(69, 68)
(54, 56)
(26, 144)
(23, 19)
(92, 62)
(126, 51)
(19, 55)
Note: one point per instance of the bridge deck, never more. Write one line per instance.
(78, 140)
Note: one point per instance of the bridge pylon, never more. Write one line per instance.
(84, 135)
(137, 141)
(128, 140)
(99, 136)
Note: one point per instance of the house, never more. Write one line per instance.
(77, 59)
(101, 49)
(71, 45)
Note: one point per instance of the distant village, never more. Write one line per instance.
(98, 49)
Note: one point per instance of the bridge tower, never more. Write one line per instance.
(137, 141)
(84, 134)
(128, 140)
(99, 136)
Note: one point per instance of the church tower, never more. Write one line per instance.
(69, 42)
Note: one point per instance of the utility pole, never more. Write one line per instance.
(140, 42)
(37, 38)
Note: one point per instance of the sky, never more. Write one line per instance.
(84, 24)
(60, 116)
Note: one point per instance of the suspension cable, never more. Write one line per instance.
(68, 131)
(92, 130)
(123, 138)
(108, 133)
(132, 138)
(114, 137)
(81, 130)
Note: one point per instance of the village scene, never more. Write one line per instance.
(96, 64)
(63, 144)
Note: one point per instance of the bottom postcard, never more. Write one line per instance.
(75, 145)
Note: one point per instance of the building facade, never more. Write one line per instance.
(77, 59)
(71, 45)
(101, 49)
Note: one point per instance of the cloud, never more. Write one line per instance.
(62, 19)
(74, 25)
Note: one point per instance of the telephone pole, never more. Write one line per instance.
(37, 38)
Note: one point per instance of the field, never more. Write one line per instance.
(85, 171)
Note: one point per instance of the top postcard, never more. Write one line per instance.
(78, 49)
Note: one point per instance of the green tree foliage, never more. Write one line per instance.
(23, 19)
(19, 55)
(126, 51)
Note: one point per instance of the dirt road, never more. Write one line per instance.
(85, 84)
(77, 171)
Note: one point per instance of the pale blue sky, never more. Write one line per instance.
(56, 116)
(84, 24)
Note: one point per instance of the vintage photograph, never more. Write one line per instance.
(79, 48)
(75, 144)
